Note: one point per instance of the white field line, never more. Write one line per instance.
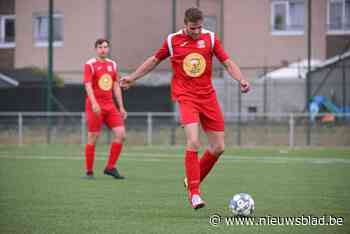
(155, 157)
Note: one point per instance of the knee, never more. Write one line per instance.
(119, 136)
(92, 138)
(193, 144)
(218, 149)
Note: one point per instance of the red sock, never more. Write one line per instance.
(114, 154)
(206, 163)
(192, 171)
(89, 157)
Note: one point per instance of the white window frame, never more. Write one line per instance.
(45, 43)
(284, 32)
(336, 31)
(4, 44)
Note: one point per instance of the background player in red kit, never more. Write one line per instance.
(191, 51)
(101, 81)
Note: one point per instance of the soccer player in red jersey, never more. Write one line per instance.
(191, 51)
(101, 81)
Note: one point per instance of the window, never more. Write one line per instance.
(7, 31)
(287, 17)
(41, 30)
(338, 16)
(252, 109)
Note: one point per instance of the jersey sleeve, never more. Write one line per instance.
(219, 51)
(163, 52)
(87, 73)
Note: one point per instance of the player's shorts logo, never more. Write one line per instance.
(194, 65)
(105, 82)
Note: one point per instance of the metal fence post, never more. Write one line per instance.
(83, 129)
(149, 128)
(291, 130)
(344, 88)
(239, 116)
(265, 92)
(20, 129)
(173, 130)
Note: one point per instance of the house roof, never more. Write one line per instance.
(331, 61)
(25, 75)
(296, 70)
(22, 77)
(7, 82)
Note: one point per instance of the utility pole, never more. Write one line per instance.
(49, 69)
(308, 77)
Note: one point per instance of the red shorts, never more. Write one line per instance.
(109, 115)
(207, 112)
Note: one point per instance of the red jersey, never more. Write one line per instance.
(102, 74)
(191, 61)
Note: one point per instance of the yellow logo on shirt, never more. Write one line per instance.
(194, 64)
(105, 82)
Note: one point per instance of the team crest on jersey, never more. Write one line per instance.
(194, 65)
(109, 68)
(201, 44)
(105, 82)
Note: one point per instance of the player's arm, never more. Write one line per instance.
(90, 93)
(119, 98)
(231, 67)
(140, 72)
(88, 75)
(146, 67)
(234, 71)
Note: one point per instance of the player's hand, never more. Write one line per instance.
(244, 85)
(126, 82)
(96, 108)
(123, 113)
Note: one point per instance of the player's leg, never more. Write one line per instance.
(211, 155)
(192, 165)
(94, 124)
(116, 123)
(190, 122)
(191, 157)
(212, 120)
